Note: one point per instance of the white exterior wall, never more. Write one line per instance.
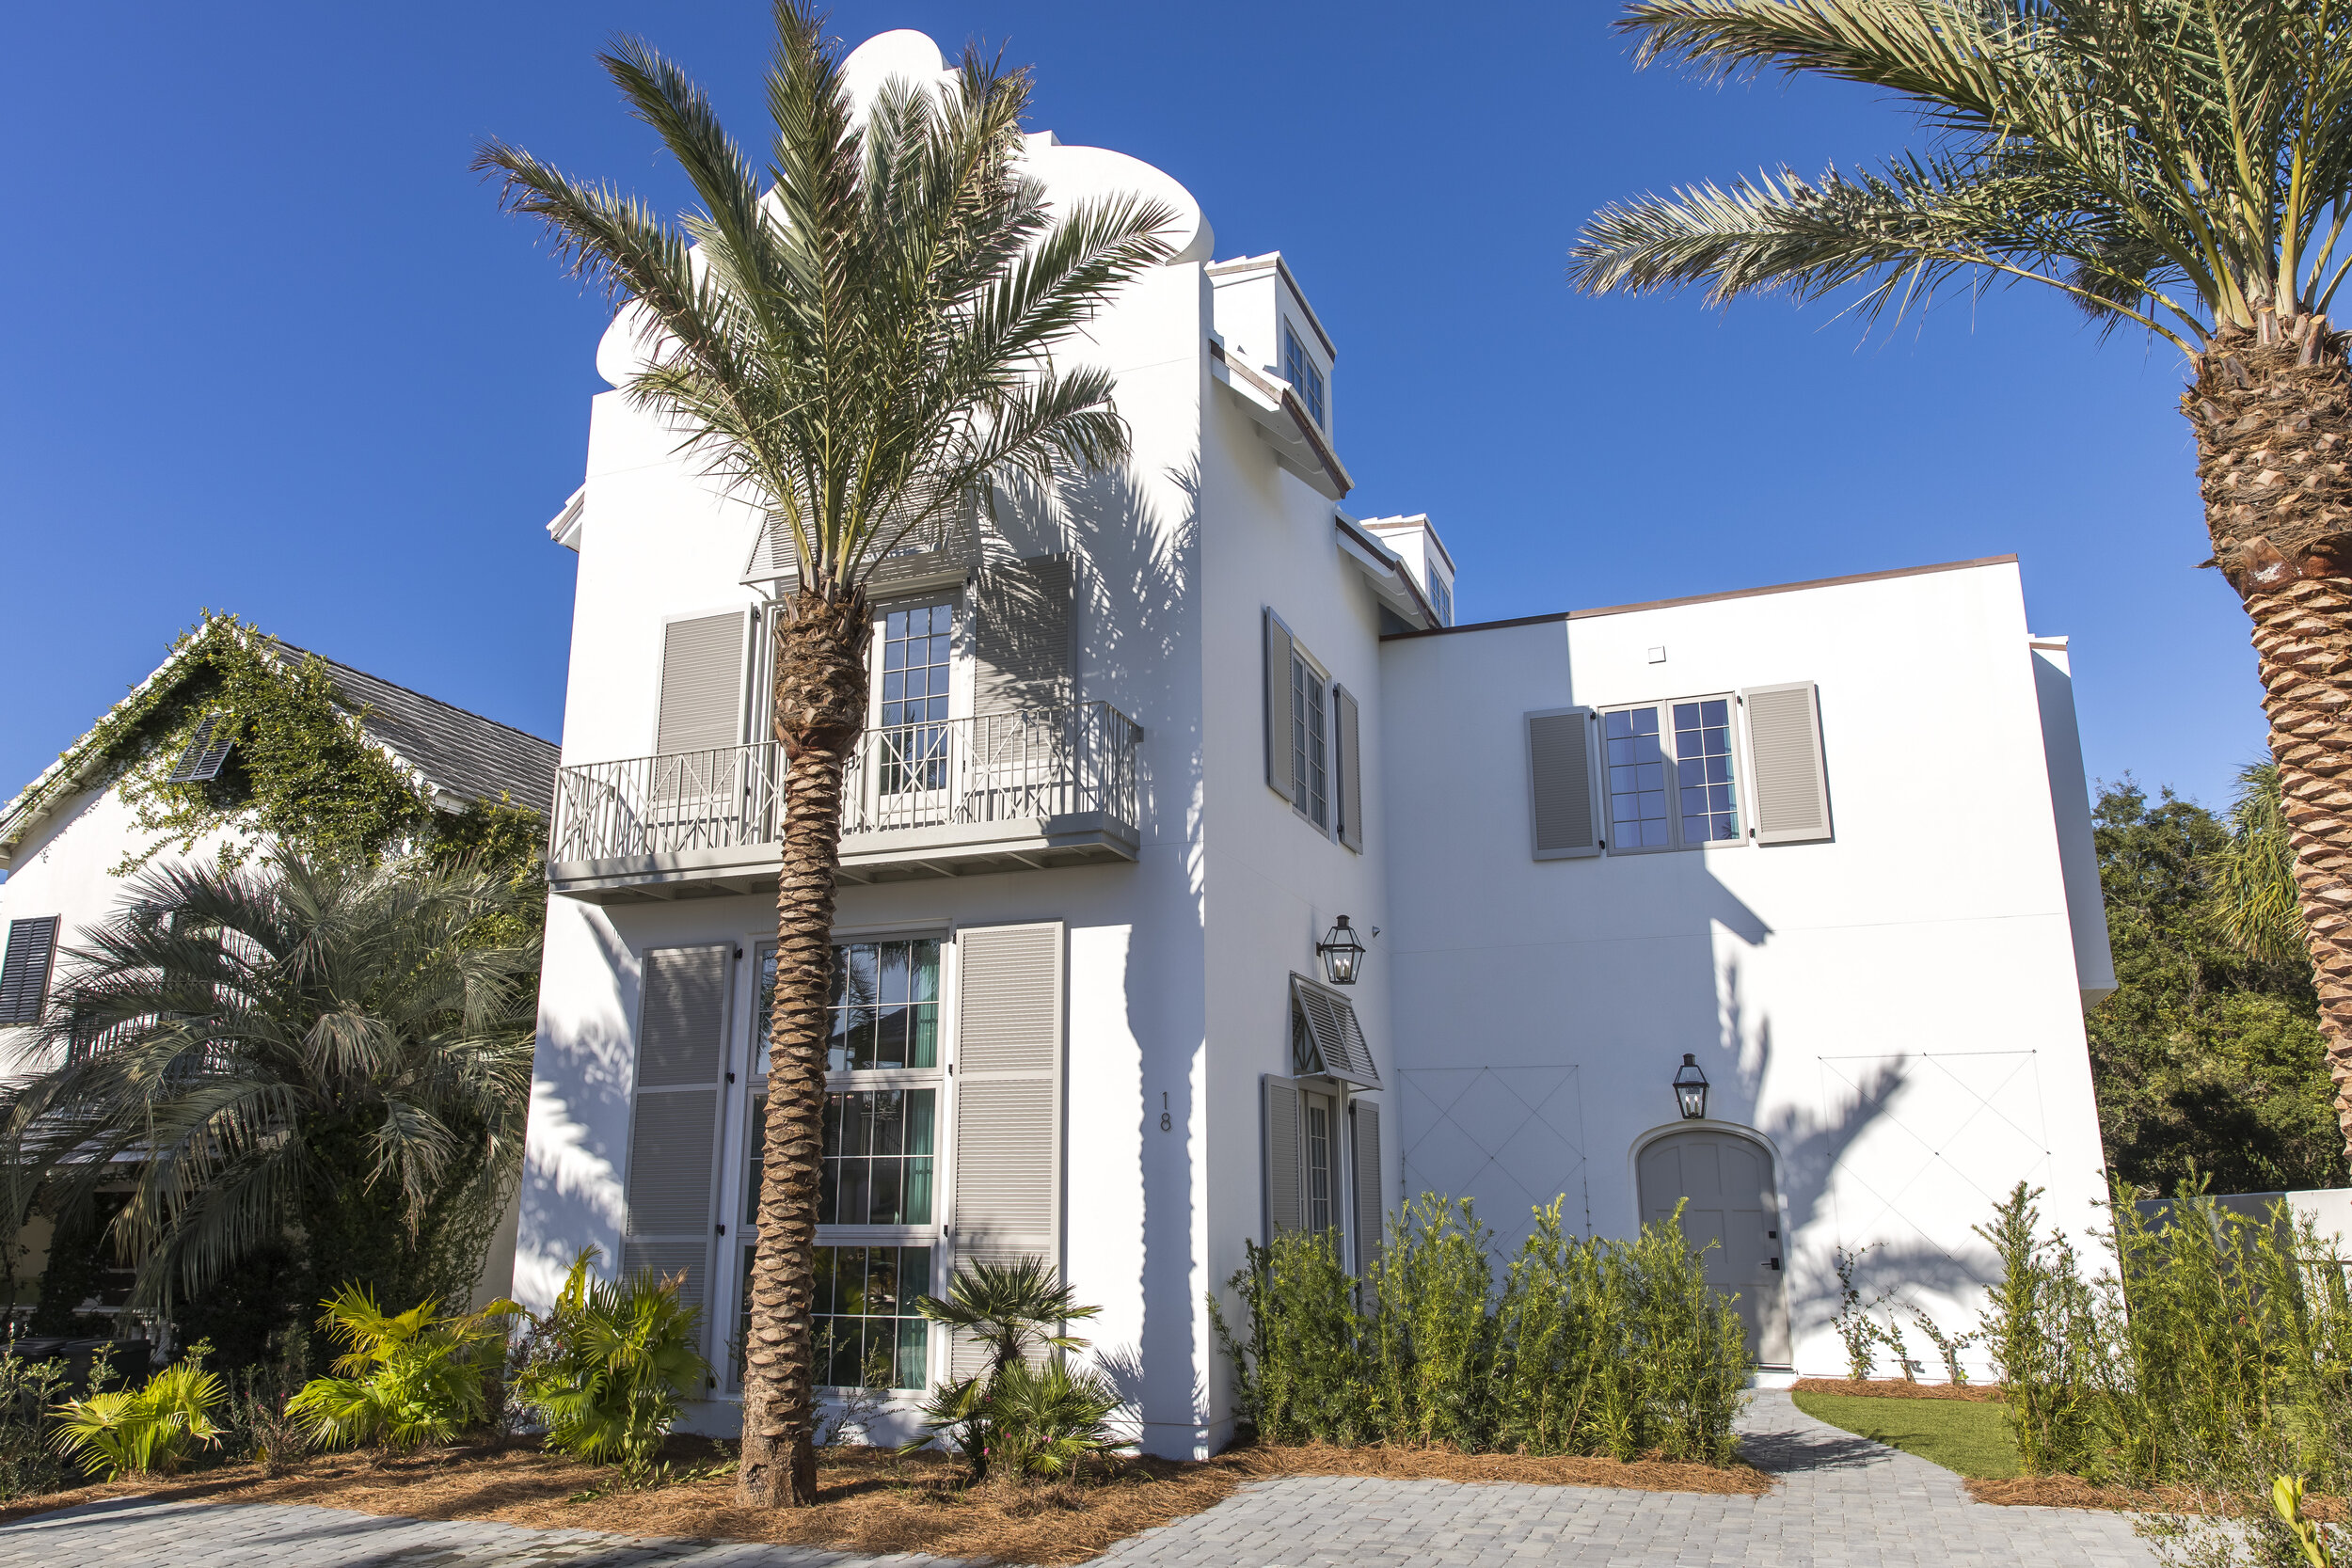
(1897, 1011)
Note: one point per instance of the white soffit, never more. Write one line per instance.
(1283, 423)
(1392, 584)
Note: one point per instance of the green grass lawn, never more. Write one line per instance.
(1967, 1436)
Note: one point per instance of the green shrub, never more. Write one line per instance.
(1590, 1346)
(402, 1381)
(2215, 1352)
(1045, 1420)
(610, 1364)
(28, 1464)
(146, 1431)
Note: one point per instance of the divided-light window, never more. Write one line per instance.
(1668, 772)
(1310, 757)
(1299, 370)
(878, 1194)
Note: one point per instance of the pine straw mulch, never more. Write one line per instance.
(2075, 1491)
(869, 1500)
(1894, 1389)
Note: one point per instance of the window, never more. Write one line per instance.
(1671, 788)
(1318, 1108)
(1442, 599)
(1310, 757)
(879, 1158)
(916, 654)
(1304, 378)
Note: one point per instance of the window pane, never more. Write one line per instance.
(1703, 748)
(865, 1319)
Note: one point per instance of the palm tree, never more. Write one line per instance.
(861, 353)
(307, 1053)
(2183, 167)
(2255, 907)
(1009, 1307)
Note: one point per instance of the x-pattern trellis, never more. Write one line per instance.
(1976, 1098)
(1509, 1137)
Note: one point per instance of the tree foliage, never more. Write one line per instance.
(310, 1056)
(2207, 1056)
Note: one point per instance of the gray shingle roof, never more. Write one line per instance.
(462, 753)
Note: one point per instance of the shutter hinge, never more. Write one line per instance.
(739, 954)
(723, 1230)
(730, 1078)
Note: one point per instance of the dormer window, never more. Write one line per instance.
(1303, 375)
(1442, 599)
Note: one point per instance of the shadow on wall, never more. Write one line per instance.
(1139, 624)
(572, 1192)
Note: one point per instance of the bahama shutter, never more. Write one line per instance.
(672, 1203)
(24, 968)
(1008, 1103)
(1363, 1120)
(1277, 708)
(1351, 791)
(702, 684)
(1787, 779)
(1284, 1154)
(1562, 795)
(1021, 614)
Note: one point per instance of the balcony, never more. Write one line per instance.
(995, 792)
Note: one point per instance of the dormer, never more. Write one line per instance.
(1415, 541)
(1264, 317)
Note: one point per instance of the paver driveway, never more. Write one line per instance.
(1842, 1502)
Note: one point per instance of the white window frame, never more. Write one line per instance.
(1676, 843)
(1323, 732)
(739, 1203)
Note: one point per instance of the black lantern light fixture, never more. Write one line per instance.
(1342, 953)
(1690, 1088)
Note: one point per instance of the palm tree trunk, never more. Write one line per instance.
(2273, 413)
(821, 710)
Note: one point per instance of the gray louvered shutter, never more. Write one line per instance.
(1009, 1101)
(1021, 620)
(1277, 708)
(702, 684)
(1789, 781)
(673, 1190)
(1351, 791)
(1562, 797)
(1365, 1158)
(24, 969)
(1284, 1153)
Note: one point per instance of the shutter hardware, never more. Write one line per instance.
(723, 1230)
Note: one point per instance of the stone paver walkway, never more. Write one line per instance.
(1842, 1502)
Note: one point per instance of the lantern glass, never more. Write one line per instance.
(1690, 1088)
(1342, 953)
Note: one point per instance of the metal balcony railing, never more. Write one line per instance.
(1027, 766)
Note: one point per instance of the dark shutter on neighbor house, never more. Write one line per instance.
(1283, 1150)
(24, 969)
(1020, 630)
(1561, 801)
(673, 1182)
(1350, 749)
(1279, 719)
(1788, 783)
(1363, 1119)
(702, 684)
(204, 757)
(1007, 1116)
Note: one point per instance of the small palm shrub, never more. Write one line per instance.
(610, 1364)
(148, 1430)
(1030, 1416)
(403, 1381)
(1586, 1346)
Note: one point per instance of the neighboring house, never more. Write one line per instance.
(1135, 754)
(342, 757)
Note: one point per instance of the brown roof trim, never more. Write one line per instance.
(1711, 598)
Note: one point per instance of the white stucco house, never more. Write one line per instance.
(1827, 844)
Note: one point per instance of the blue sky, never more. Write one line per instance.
(273, 349)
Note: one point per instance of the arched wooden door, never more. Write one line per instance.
(1726, 1184)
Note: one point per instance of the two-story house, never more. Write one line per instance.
(1136, 758)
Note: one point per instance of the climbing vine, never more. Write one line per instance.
(300, 769)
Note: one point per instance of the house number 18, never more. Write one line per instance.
(1166, 1123)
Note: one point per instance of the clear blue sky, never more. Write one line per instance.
(273, 349)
